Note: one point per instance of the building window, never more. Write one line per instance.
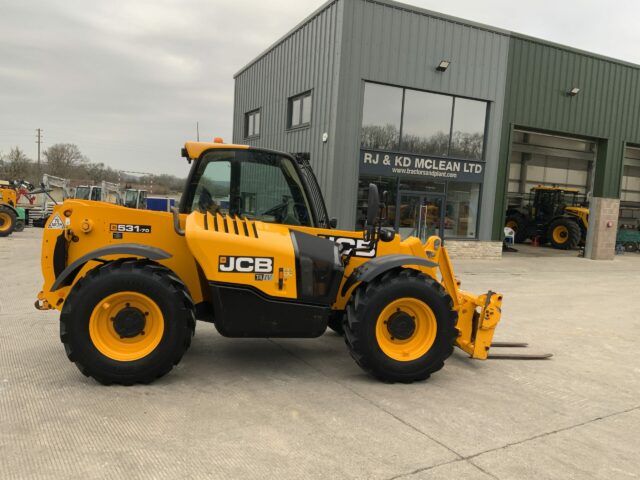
(423, 123)
(381, 117)
(467, 134)
(252, 124)
(461, 211)
(299, 110)
(426, 123)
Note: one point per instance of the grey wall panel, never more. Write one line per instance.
(307, 58)
(385, 42)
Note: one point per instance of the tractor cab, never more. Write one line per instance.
(134, 198)
(259, 185)
(88, 192)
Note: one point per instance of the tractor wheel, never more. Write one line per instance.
(630, 247)
(127, 322)
(335, 322)
(19, 226)
(7, 221)
(401, 327)
(564, 234)
(518, 223)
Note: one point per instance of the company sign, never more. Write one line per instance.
(391, 164)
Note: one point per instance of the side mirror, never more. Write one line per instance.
(373, 205)
(333, 222)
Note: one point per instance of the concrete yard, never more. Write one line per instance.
(303, 409)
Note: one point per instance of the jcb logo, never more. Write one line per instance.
(364, 248)
(245, 264)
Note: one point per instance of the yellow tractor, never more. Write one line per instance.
(10, 218)
(553, 214)
(252, 250)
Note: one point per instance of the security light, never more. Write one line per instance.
(573, 92)
(443, 65)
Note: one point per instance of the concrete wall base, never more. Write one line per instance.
(474, 249)
(603, 227)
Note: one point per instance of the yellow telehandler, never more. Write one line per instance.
(251, 249)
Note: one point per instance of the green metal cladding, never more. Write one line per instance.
(607, 109)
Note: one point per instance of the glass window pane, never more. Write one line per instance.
(295, 112)
(212, 191)
(381, 117)
(250, 129)
(427, 123)
(256, 124)
(467, 140)
(271, 192)
(461, 214)
(306, 109)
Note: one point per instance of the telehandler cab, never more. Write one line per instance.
(252, 250)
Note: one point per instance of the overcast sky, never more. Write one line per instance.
(127, 80)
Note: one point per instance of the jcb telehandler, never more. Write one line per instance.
(252, 250)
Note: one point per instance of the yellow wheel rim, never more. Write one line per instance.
(111, 314)
(560, 234)
(512, 225)
(415, 343)
(5, 222)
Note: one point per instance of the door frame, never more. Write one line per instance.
(417, 193)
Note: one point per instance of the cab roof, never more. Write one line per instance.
(193, 150)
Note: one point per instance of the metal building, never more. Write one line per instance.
(456, 120)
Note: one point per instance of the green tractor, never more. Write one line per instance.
(554, 214)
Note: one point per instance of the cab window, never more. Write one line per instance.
(254, 184)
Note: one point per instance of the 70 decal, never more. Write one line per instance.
(129, 228)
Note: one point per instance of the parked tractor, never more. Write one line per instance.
(554, 214)
(12, 217)
(252, 250)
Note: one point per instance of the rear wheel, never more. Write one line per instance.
(127, 322)
(518, 223)
(401, 327)
(19, 225)
(564, 234)
(7, 221)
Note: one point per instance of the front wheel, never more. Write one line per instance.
(7, 221)
(401, 327)
(127, 322)
(19, 226)
(564, 234)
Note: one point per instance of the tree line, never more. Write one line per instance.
(65, 160)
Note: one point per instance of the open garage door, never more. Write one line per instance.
(550, 160)
(550, 181)
(630, 188)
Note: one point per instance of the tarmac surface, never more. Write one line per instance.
(293, 409)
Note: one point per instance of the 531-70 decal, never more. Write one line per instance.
(129, 228)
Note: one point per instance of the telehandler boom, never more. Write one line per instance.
(252, 250)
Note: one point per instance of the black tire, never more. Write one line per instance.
(7, 221)
(518, 223)
(19, 226)
(154, 281)
(630, 247)
(363, 311)
(571, 236)
(336, 321)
